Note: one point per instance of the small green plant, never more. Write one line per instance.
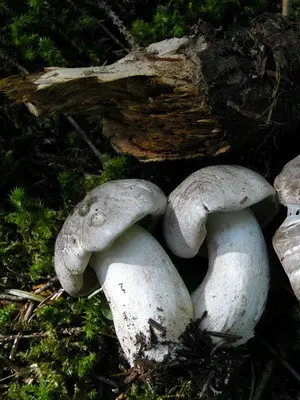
(178, 16)
(35, 227)
(113, 168)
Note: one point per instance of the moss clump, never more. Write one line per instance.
(35, 225)
(69, 357)
(177, 17)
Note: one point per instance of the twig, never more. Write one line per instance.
(13, 62)
(2, 386)
(8, 377)
(7, 297)
(218, 345)
(258, 148)
(95, 293)
(117, 22)
(157, 326)
(27, 316)
(201, 335)
(29, 311)
(108, 381)
(14, 348)
(125, 373)
(15, 273)
(275, 91)
(9, 364)
(207, 382)
(66, 332)
(23, 294)
(283, 362)
(9, 338)
(227, 336)
(270, 113)
(86, 138)
(114, 38)
(42, 303)
(47, 285)
(251, 115)
(132, 377)
(51, 297)
(263, 379)
(15, 345)
(252, 383)
(57, 295)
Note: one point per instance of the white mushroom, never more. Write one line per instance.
(235, 288)
(215, 199)
(286, 240)
(150, 304)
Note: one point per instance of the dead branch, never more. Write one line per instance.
(183, 98)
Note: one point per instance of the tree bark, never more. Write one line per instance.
(286, 8)
(183, 98)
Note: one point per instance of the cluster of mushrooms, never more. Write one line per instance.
(106, 240)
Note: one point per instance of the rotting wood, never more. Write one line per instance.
(183, 98)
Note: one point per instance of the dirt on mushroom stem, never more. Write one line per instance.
(207, 368)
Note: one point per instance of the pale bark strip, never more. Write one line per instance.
(150, 62)
(286, 8)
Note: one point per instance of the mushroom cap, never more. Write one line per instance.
(78, 284)
(213, 189)
(101, 217)
(286, 243)
(287, 183)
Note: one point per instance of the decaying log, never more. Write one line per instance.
(181, 98)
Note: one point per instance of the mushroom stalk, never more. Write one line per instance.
(218, 198)
(234, 291)
(150, 304)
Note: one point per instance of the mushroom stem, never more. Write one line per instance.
(234, 291)
(142, 285)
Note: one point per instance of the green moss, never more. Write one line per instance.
(113, 168)
(177, 17)
(64, 361)
(7, 313)
(35, 227)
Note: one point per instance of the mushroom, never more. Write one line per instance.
(150, 304)
(286, 240)
(216, 200)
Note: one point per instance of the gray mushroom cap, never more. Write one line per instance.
(287, 183)
(96, 222)
(286, 241)
(213, 189)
